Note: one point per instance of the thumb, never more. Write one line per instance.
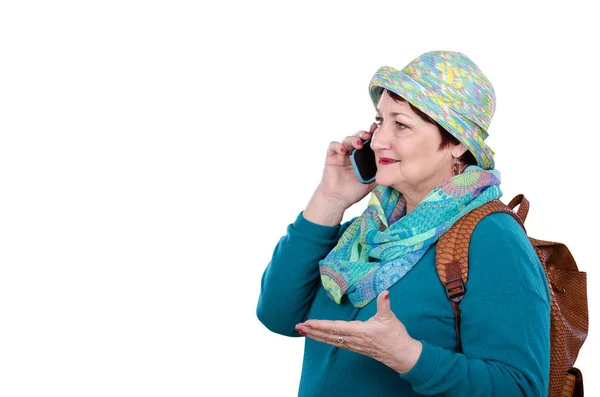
(384, 310)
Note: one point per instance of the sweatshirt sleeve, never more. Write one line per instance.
(505, 322)
(292, 277)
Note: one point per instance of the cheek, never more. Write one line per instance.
(416, 151)
(422, 159)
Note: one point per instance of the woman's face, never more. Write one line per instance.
(407, 149)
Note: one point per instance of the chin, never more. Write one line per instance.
(382, 181)
(389, 182)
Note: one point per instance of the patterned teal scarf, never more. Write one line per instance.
(383, 244)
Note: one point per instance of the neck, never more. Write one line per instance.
(414, 196)
(412, 202)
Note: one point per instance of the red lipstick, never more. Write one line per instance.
(387, 161)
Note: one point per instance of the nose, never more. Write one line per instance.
(381, 138)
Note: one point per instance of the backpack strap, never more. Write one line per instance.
(523, 204)
(452, 250)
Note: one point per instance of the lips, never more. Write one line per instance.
(387, 161)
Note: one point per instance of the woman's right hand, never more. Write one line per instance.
(339, 182)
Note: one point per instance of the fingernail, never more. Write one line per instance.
(359, 143)
(387, 296)
(301, 333)
(343, 151)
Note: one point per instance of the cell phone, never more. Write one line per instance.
(363, 163)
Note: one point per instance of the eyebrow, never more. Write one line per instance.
(393, 114)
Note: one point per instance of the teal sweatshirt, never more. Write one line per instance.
(505, 318)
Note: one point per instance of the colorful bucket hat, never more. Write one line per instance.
(450, 88)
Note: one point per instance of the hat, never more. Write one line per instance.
(450, 88)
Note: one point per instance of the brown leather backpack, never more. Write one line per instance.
(567, 285)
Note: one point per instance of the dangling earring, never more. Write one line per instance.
(455, 167)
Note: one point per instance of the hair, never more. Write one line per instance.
(465, 159)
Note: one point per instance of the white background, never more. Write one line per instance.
(152, 154)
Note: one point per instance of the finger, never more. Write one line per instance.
(368, 134)
(384, 310)
(337, 148)
(334, 327)
(354, 343)
(373, 128)
(364, 135)
(352, 142)
(342, 341)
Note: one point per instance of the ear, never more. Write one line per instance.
(458, 150)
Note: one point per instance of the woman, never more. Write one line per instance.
(366, 294)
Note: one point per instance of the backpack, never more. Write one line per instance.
(567, 285)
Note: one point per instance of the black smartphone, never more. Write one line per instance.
(363, 163)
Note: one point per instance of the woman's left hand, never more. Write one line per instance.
(382, 337)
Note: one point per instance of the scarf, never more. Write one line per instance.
(383, 244)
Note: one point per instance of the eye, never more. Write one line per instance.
(379, 120)
(400, 125)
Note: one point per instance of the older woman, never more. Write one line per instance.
(366, 294)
